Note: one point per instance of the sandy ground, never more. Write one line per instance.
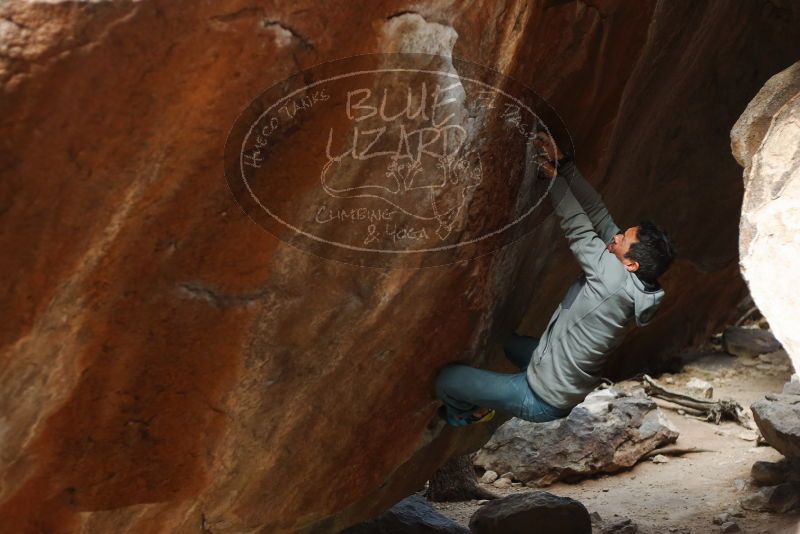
(686, 493)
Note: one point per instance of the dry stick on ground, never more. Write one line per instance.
(712, 410)
(747, 314)
(675, 451)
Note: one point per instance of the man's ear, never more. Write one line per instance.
(632, 266)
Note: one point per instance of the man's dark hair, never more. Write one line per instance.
(654, 252)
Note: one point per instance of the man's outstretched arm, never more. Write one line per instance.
(590, 200)
(584, 242)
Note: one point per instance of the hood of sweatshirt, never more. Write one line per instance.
(646, 299)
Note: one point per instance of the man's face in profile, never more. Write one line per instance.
(620, 245)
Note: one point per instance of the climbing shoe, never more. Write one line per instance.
(488, 416)
(470, 420)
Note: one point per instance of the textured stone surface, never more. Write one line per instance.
(167, 365)
(749, 342)
(752, 126)
(619, 526)
(488, 477)
(412, 515)
(778, 419)
(774, 473)
(605, 433)
(792, 387)
(766, 142)
(779, 499)
(531, 512)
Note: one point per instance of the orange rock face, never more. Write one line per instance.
(169, 366)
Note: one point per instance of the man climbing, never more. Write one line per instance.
(619, 283)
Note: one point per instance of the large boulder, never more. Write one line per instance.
(169, 366)
(532, 512)
(766, 142)
(412, 515)
(778, 419)
(607, 432)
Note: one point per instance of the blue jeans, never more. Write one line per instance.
(464, 389)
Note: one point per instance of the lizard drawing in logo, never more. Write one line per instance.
(431, 188)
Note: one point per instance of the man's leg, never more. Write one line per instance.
(464, 389)
(519, 349)
(537, 410)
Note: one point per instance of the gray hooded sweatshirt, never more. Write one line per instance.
(599, 307)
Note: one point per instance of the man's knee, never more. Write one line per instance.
(445, 380)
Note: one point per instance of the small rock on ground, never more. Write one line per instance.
(502, 483)
(489, 477)
(749, 342)
(700, 388)
(779, 499)
(623, 526)
(769, 473)
(792, 387)
(722, 518)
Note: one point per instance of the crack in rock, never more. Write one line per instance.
(285, 31)
(404, 12)
(218, 299)
(276, 24)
